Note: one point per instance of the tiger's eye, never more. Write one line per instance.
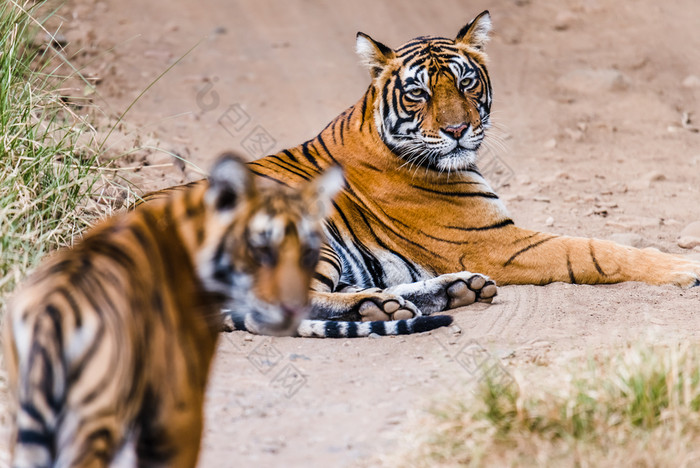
(417, 92)
(467, 83)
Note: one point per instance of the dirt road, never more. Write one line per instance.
(595, 108)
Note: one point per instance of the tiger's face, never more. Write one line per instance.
(432, 96)
(265, 248)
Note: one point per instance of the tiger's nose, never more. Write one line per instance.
(291, 311)
(455, 131)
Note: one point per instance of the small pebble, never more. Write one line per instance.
(523, 179)
(645, 181)
(564, 20)
(689, 242)
(629, 238)
(654, 176)
(690, 236)
(549, 222)
(576, 135)
(691, 81)
(373, 336)
(550, 144)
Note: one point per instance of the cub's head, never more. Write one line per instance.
(432, 96)
(263, 242)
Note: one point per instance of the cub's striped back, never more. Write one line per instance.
(109, 343)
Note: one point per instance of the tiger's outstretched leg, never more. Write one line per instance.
(528, 257)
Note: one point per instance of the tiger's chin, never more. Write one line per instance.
(459, 159)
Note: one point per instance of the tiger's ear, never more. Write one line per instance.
(322, 190)
(229, 181)
(476, 33)
(374, 55)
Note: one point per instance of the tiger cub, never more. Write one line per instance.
(109, 343)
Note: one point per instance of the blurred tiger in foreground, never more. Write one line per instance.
(416, 209)
(109, 343)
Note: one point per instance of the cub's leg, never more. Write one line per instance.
(171, 438)
(447, 292)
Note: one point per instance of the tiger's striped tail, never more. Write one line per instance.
(333, 329)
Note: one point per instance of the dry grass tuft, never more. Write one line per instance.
(52, 182)
(636, 408)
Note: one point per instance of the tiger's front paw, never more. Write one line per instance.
(466, 288)
(382, 307)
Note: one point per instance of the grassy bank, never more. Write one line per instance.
(49, 166)
(636, 408)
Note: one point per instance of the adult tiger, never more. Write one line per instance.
(416, 207)
(108, 344)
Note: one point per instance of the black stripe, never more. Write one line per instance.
(307, 154)
(192, 208)
(287, 164)
(372, 269)
(531, 246)
(75, 309)
(290, 155)
(457, 194)
(290, 169)
(48, 377)
(325, 148)
(424, 324)
(572, 278)
(342, 129)
(364, 110)
(238, 321)
(498, 225)
(351, 330)
(332, 330)
(33, 413)
(55, 316)
(402, 327)
(30, 437)
(409, 264)
(526, 237)
(266, 176)
(328, 255)
(595, 260)
(326, 281)
(378, 328)
(102, 246)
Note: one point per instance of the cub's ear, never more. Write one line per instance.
(319, 194)
(229, 180)
(374, 55)
(476, 33)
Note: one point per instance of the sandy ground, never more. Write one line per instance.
(594, 108)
